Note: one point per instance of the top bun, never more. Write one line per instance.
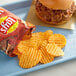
(57, 4)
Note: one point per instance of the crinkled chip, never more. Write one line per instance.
(23, 45)
(46, 57)
(39, 35)
(39, 47)
(30, 58)
(35, 40)
(25, 37)
(54, 50)
(19, 55)
(42, 35)
(47, 34)
(16, 52)
(58, 39)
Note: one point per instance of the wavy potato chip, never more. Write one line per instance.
(36, 40)
(25, 37)
(19, 56)
(16, 52)
(46, 57)
(22, 46)
(47, 34)
(39, 47)
(58, 39)
(30, 58)
(54, 50)
(39, 37)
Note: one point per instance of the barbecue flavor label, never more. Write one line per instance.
(8, 24)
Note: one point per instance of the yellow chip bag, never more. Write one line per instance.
(30, 58)
(58, 39)
(54, 50)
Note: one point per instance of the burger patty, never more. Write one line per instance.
(54, 16)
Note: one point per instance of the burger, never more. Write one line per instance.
(55, 11)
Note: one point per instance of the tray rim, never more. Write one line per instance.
(41, 67)
(12, 2)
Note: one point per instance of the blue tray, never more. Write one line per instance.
(9, 66)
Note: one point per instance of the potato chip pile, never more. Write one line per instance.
(40, 47)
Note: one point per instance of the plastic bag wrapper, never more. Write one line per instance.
(12, 30)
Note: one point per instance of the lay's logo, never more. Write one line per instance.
(8, 24)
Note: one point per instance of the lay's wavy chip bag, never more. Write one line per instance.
(12, 30)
